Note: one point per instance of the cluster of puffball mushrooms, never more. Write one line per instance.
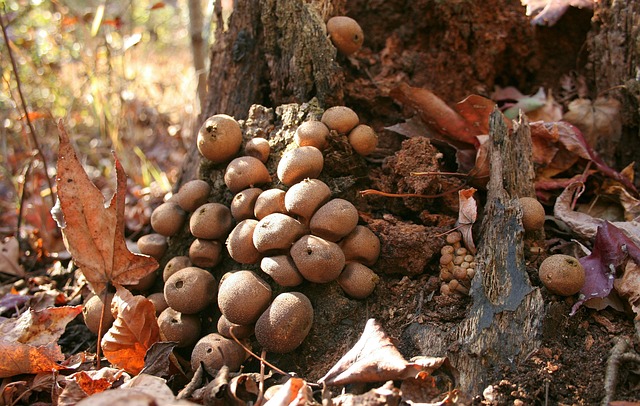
(295, 233)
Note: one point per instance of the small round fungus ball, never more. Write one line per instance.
(341, 119)
(282, 270)
(361, 245)
(245, 172)
(312, 133)
(205, 253)
(299, 163)
(211, 221)
(357, 280)
(240, 331)
(174, 265)
(240, 243)
(269, 202)
(168, 218)
(304, 198)
(285, 324)
(334, 220)
(258, 148)
(363, 139)
(243, 204)
(275, 232)
(215, 351)
(219, 138)
(159, 303)
(190, 290)
(154, 245)
(532, 214)
(345, 34)
(243, 296)
(193, 194)
(318, 260)
(143, 284)
(181, 328)
(562, 274)
(92, 312)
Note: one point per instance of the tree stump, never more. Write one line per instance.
(504, 323)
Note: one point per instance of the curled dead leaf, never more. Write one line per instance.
(599, 121)
(132, 333)
(467, 215)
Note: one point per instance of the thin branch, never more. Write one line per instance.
(32, 130)
(368, 192)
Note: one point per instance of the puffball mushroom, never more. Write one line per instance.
(275, 232)
(190, 290)
(181, 328)
(318, 260)
(363, 139)
(357, 280)
(258, 148)
(240, 243)
(341, 119)
(285, 324)
(282, 270)
(532, 213)
(205, 253)
(562, 274)
(92, 312)
(243, 203)
(193, 194)
(240, 331)
(299, 163)
(219, 138)
(334, 220)
(214, 351)
(361, 245)
(306, 196)
(154, 245)
(243, 296)
(345, 34)
(168, 218)
(211, 221)
(244, 172)
(312, 133)
(174, 265)
(268, 202)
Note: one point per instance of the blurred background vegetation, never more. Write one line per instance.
(119, 74)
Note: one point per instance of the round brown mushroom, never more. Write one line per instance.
(220, 138)
(341, 119)
(258, 148)
(240, 243)
(270, 201)
(345, 34)
(243, 203)
(243, 296)
(190, 290)
(361, 245)
(286, 323)
(245, 172)
(193, 194)
(276, 232)
(318, 260)
(312, 133)
(211, 221)
(168, 218)
(154, 245)
(334, 220)
(562, 274)
(299, 163)
(305, 197)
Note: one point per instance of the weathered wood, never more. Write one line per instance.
(504, 322)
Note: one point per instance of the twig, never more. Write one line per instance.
(255, 355)
(613, 365)
(260, 399)
(24, 106)
(193, 384)
(22, 198)
(368, 192)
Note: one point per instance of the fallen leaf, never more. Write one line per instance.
(142, 390)
(584, 225)
(93, 233)
(467, 215)
(386, 394)
(436, 113)
(548, 12)
(628, 286)
(295, 391)
(374, 358)
(599, 121)
(611, 249)
(10, 257)
(28, 344)
(83, 384)
(132, 333)
(157, 360)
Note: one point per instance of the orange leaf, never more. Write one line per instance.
(28, 343)
(436, 113)
(157, 5)
(93, 233)
(132, 333)
(294, 392)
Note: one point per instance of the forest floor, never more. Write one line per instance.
(570, 365)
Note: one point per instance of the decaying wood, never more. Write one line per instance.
(504, 323)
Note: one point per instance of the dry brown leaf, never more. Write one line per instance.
(93, 233)
(386, 394)
(374, 358)
(467, 215)
(86, 383)
(10, 257)
(628, 286)
(294, 392)
(28, 344)
(599, 121)
(143, 390)
(132, 333)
